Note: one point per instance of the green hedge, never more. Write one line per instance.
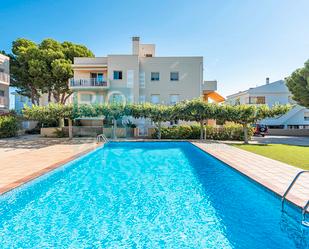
(226, 132)
(8, 126)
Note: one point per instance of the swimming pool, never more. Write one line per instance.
(147, 195)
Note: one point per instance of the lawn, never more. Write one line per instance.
(291, 154)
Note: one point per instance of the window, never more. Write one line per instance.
(116, 98)
(275, 126)
(174, 99)
(1, 93)
(142, 79)
(155, 76)
(142, 99)
(257, 100)
(174, 76)
(130, 78)
(293, 127)
(98, 76)
(306, 116)
(117, 75)
(155, 98)
(130, 98)
(148, 55)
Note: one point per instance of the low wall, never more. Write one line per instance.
(28, 125)
(49, 132)
(93, 131)
(288, 132)
(120, 132)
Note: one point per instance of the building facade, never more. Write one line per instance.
(19, 101)
(274, 93)
(4, 83)
(138, 77)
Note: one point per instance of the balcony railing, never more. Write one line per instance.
(2, 101)
(92, 82)
(4, 77)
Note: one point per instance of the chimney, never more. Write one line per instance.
(135, 45)
(267, 80)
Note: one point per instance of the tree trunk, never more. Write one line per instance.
(37, 100)
(70, 129)
(202, 129)
(49, 96)
(56, 96)
(114, 128)
(205, 133)
(66, 98)
(159, 130)
(245, 128)
(62, 98)
(61, 122)
(33, 96)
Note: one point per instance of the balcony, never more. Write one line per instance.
(3, 101)
(209, 86)
(4, 78)
(91, 83)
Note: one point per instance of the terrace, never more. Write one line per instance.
(4, 78)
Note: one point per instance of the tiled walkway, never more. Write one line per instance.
(24, 159)
(273, 174)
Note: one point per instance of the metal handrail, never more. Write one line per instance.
(88, 82)
(290, 186)
(103, 137)
(304, 214)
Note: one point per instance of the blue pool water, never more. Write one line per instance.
(147, 195)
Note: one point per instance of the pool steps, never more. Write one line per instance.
(304, 209)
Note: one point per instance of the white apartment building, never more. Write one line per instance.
(4, 83)
(138, 77)
(274, 93)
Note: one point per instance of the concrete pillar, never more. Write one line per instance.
(70, 129)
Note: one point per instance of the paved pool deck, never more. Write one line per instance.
(274, 175)
(25, 158)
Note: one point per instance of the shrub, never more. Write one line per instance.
(226, 132)
(8, 126)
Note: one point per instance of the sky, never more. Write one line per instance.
(242, 41)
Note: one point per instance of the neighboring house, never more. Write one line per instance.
(20, 101)
(209, 92)
(4, 83)
(274, 93)
(139, 77)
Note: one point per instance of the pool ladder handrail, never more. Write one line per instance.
(304, 222)
(304, 209)
(102, 137)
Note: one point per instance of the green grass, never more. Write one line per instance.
(291, 154)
